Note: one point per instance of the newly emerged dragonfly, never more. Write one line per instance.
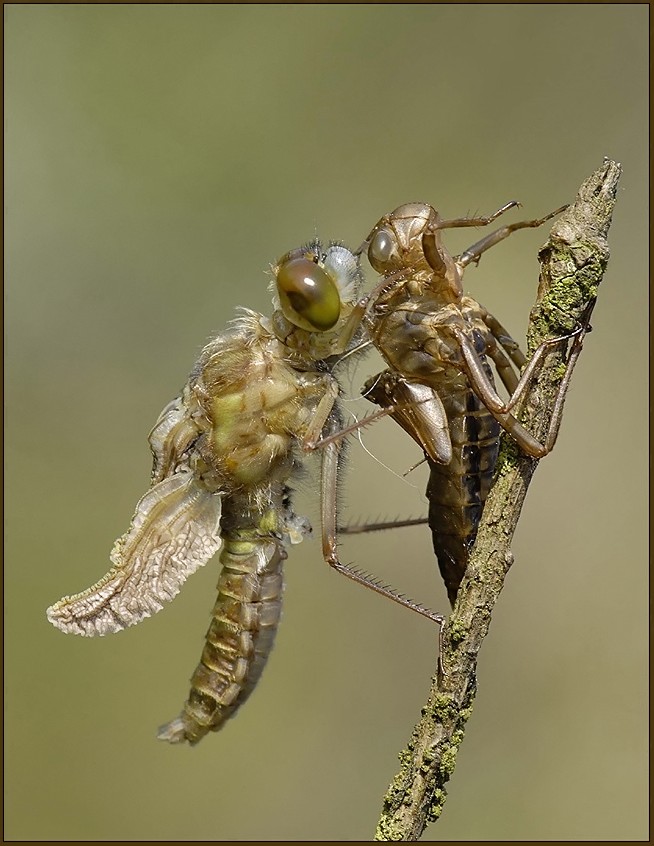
(260, 395)
(439, 386)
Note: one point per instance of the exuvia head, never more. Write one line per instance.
(409, 239)
(396, 240)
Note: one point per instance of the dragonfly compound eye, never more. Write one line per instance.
(308, 296)
(382, 249)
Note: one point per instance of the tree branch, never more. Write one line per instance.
(572, 265)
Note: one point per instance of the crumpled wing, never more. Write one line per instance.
(174, 531)
(171, 437)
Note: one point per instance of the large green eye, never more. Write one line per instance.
(382, 249)
(308, 297)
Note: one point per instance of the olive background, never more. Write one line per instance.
(158, 158)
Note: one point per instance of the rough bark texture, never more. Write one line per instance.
(572, 265)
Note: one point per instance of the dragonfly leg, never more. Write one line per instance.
(473, 253)
(331, 450)
(313, 437)
(363, 528)
(483, 220)
(329, 478)
(505, 340)
(499, 345)
(530, 371)
(311, 444)
(504, 368)
(485, 390)
(415, 407)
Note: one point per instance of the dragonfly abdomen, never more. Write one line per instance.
(457, 490)
(242, 631)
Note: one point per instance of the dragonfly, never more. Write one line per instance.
(262, 395)
(439, 385)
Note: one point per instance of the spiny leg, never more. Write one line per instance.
(329, 477)
(331, 447)
(337, 436)
(363, 528)
(311, 444)
(418, 409)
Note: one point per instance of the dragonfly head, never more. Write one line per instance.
(316, 286)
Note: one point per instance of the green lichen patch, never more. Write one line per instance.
(457, 737)
(405, 757)
(558, 372)
(429, 754)
(389, 830)
(458, 631)
(507, 459)
(435, 808)
(443, 707)
(464, 715)
(448, 761)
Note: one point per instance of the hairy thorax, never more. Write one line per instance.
(251, 407)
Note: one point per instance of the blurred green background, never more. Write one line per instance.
(157, 159)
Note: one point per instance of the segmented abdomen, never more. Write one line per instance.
(243, 626)
(457, 491)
